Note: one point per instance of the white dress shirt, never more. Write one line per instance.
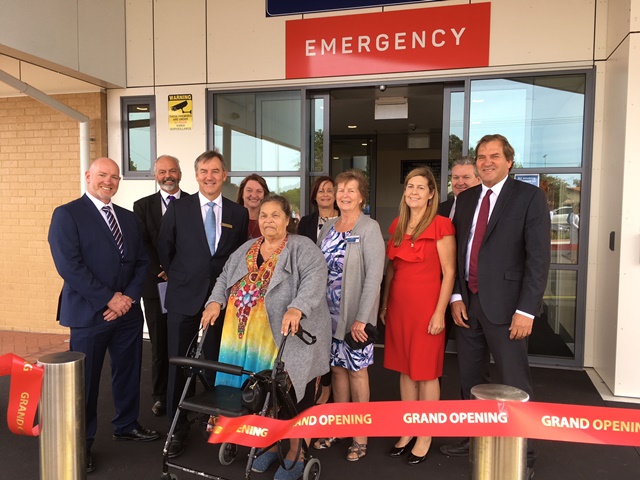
(217, 209)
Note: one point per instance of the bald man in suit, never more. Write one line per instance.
(97, 249)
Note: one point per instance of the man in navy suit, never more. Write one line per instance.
(150, 210)
(502, 269)
(98, 251)
(197, 235)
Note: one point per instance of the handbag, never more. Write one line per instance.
(372, 336)
(254, 391)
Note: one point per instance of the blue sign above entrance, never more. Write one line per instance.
(293, 7)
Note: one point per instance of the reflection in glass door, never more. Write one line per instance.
(543, 118)
(355, 152)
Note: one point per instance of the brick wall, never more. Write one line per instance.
(40, 165)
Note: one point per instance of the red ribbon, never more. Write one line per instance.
(446, 418)
(24, 393)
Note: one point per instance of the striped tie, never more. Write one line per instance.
(115, 229)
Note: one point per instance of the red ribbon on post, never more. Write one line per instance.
(445, 418)
(24, 393)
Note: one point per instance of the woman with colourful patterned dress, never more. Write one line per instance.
(353, 247)
(418, 285)
(267, 286)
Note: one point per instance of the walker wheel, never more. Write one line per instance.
(227, 453)
(311, 470)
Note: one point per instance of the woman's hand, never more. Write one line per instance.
(436, 324)
(291, 320)
(357, 331)
(210, 314)
(383, 315)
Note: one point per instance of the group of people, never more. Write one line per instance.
(239, 270)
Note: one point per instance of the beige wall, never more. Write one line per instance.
(85, 40)
(39, 150)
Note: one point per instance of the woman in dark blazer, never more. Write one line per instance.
(323, 199)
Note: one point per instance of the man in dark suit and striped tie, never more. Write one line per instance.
(98, 251)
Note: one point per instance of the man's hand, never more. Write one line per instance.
(120, 304)
(520, 326)
(109, 315)
(163, 275)
(210, 314)
(291, 320)
(459, 313)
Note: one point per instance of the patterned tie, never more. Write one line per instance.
(115, 229)
(478, 235)
(210, 228)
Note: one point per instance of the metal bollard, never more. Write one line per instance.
(498, 458)
(62, 417)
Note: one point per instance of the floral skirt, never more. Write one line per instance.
(342, 355)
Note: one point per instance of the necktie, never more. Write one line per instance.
(478, 235)
(115, 229)
(210, 228)
(171, 198)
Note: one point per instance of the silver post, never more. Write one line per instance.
(62, 417)
(498, 458)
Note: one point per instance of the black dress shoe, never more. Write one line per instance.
(176, 447)
(395, 452)
(138, 434)
(460, 449)
(159, 408)
(90, 465)
(415, 460)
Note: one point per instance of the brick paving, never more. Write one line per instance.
(32, 346)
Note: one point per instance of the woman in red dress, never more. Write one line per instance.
(418, 285)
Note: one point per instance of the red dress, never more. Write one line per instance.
(413, 296)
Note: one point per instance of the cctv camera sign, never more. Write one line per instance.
(436, 38)
(180, 112)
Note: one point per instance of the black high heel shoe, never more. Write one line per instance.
(415, 460)
(396, 452)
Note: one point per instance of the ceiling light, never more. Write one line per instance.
(352, 126)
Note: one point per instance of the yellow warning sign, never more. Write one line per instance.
(180, 112)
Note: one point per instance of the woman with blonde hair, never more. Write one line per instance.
(418, 285)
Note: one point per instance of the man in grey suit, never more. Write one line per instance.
(197, 235)
(503, 237)
(150, 210)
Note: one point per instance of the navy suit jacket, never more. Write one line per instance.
(185, 255)
(514, 257)
(149, 212)
(87, 258)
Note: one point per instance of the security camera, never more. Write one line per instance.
(382, 88)
(179, 106)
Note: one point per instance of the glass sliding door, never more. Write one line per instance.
(261, 132)
(543, 117)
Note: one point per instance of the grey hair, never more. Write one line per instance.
(466, 160)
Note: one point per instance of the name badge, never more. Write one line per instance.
(353, 239)
(226, 225)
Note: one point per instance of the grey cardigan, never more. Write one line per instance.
(362, 274)
(299, 281)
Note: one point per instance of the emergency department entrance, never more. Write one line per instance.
(291, 136)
